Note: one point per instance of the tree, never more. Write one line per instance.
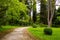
(34, 11)
(56, 23)
(2, 14)
(51, 9)
(32, 4)
(43, 12)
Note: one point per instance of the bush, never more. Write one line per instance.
(34, 26)
(48, 31)
(43, 25)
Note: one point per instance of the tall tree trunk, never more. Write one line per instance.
(43, 13)
(51, 9)
(34, 11)
(30, 9)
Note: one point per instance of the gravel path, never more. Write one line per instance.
(18, 34)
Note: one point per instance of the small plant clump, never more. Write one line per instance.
(48, 31)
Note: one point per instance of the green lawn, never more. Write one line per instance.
(39, 34)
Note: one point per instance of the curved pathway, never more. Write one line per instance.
(18, 34)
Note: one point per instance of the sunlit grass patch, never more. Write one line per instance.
(39, 33)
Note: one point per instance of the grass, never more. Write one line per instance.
(39, 34)
(6, 29)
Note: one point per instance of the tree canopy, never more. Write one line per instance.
(15, 10)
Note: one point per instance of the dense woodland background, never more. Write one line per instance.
(18, 12)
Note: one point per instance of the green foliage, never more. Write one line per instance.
(34, 5)
(56, 21)
(8, 27)
(58, 14)
(38, 18)
(43, 25)
(34, 25)
(58, 10)
(58, 18)
(16, 11)
(2, 14)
